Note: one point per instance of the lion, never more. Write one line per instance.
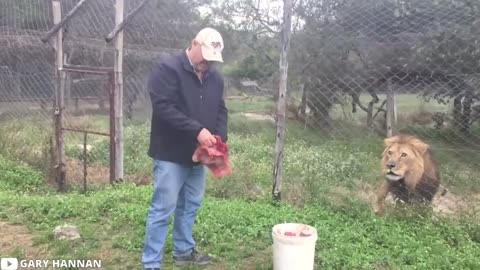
(410, 173)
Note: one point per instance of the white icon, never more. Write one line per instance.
(9, 264)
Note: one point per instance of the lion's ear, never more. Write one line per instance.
(419, 145)
(391, 140)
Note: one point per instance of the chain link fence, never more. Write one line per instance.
(359, 71)
(27, 72)
(367, 71)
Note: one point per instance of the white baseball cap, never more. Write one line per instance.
(212, 44)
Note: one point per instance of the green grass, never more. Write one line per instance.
(323, 172)
(309, 159)
(234, 231)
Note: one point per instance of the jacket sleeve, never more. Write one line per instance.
(163, 87)
(222, 119)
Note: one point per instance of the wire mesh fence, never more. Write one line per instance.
(361, 71)
(394, 67)
(358, 71)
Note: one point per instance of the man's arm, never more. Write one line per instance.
(162, 85)
(222, 119)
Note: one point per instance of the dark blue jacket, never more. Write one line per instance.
(181, 106)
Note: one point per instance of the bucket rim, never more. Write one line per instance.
(275, 233)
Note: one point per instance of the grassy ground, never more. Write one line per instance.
(235, 231)
(327, 184)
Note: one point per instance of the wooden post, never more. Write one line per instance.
(85, 161)
(111, 91)
(118, 77)
(303, 105)
(391, 117)
(68, 83)
(59, 98)
(281, 101)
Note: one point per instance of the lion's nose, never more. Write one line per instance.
(391, 164)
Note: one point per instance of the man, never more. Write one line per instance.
(188, 107)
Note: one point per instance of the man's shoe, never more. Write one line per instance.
(193, 258)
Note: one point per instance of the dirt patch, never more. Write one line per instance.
(80, 123)
(15, 240)
(262, 259)
(454, 204)
(96, 174)
(448, 204)
(259, 117)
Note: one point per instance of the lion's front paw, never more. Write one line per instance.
(378, 209)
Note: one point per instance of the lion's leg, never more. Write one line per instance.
(427, 189)
(378, 205)
(400, 192)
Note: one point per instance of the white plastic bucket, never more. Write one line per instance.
(293, 252)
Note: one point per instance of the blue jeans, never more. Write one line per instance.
(176, 189)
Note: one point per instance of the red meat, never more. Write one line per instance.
(215, 158)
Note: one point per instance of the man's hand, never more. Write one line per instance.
(206, 138)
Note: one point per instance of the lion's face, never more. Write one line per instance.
(403, 157)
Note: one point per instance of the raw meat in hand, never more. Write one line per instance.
(215, 158)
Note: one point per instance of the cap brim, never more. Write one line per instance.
(211, 55)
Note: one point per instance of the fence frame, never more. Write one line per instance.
(61, 68)
(115, 85)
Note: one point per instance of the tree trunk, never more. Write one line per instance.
(457, 112)
(303, 104)
(465, 120)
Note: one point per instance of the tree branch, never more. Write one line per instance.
(356, 101)
(380, 109)
(258, 17)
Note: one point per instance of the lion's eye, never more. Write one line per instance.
(390, 153)
(404, 155)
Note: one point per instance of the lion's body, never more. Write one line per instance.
(410, 173)
(424, 191)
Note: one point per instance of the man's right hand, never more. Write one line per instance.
(206, 138)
